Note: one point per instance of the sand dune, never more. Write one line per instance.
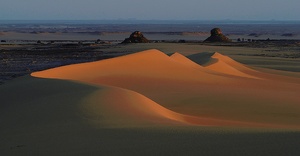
(150, 63)
(149, 103)
(224, 92)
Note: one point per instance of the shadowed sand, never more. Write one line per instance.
(223, 92)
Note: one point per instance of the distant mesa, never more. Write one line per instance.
(136, 37)
(217, 36)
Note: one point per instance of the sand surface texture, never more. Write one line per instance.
(137, 103)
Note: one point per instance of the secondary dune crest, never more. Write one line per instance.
(117, 107)
(226, 65)
(121, 107)
(185, 61)
(191, 64)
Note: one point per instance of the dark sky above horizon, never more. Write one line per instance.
(149, 9)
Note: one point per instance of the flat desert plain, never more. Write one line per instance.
(152, 102)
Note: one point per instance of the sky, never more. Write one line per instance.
(150, 9)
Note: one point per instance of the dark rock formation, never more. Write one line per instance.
(217, 36)
(136, 37)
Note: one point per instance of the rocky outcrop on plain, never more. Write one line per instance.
(136, 37)
(217, 36)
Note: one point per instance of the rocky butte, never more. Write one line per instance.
(136, 37)
(217, 36)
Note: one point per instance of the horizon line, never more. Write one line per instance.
(145, 21)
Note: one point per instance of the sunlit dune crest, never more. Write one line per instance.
(152, 87)
(146, 64)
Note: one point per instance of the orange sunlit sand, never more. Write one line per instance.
(151, 87)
